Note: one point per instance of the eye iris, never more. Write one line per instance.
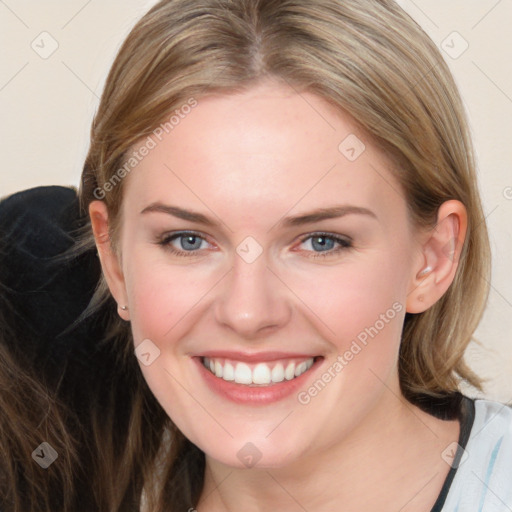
(190, 242)
(322, 243)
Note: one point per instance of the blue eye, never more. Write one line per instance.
(189, 242)
(192, 244)
(183, 243)
(324, 244)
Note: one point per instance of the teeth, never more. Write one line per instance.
(289, 373)
(229, 372)
(259, 374)
(300, 369)
(243, 374)
(278, 373)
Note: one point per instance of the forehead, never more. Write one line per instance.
(265, 152)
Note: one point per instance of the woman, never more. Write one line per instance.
(283, 200)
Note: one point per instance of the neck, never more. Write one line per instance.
(390, 461)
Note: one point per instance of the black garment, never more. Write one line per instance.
(455, 407)
(47, 296)
(40, 299)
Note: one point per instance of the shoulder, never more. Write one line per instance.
(491, 438)
(483, 478)
(492, 432)
(494, 414)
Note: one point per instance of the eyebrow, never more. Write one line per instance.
(292, 221)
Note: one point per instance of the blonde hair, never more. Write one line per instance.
(366, 58)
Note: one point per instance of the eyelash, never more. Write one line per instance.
(344, 243)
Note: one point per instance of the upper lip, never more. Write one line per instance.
(254, 356)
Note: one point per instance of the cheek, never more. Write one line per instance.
(348, 299)
(162, 295)
(359, 309)
(164, 301)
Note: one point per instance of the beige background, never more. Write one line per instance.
(47, 105)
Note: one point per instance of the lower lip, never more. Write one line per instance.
(255, 395)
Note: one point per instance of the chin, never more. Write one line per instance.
(254, 453)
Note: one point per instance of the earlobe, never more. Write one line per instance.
(440, 257)
(110, 265)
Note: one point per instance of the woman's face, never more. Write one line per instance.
(261, 238)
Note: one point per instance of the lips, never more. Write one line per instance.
(256, 379)
(261, 373)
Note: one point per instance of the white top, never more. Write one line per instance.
(483, 480)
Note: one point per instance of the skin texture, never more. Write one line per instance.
(247, 161)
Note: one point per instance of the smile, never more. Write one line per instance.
(258, 373)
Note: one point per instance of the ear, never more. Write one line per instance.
(439, 257)
(110, 263)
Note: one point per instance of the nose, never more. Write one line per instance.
(253, 301)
